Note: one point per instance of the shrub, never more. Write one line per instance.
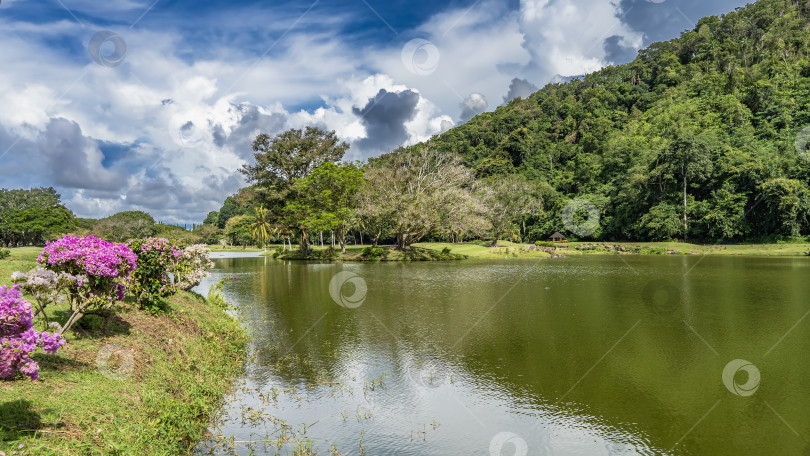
(4, 253)
(544, 244)
(164, 268)
(46, 286)
(446, 251)
(105, 265)
(215, 296)
(374, 252)
(151, 282)
(18, 339)
(192, 266)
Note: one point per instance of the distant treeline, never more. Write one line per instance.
(34, 216)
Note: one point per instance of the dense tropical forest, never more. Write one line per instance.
(711, 122)
(702, 138)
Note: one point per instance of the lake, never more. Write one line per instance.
(588, 355)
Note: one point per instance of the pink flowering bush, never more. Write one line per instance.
(18, 339)
(46, 286)
(102, 269)
(192, 266)
(152, 280)
(164, 268)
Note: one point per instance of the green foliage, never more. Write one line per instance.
(544, 244)
(31, 217)
(151, 283)
(215, 296)
(374, 252)
(4, 253)
(123, 226)
(693, 139)
(326, 200)
(237, 230)
(283, 163)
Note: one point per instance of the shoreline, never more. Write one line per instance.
(472, 251)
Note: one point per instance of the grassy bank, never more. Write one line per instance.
(435, 251)
(683, 248)
(154, 393)
(366, 253)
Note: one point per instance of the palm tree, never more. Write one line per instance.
(260, 228)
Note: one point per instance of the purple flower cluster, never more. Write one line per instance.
(18, 339)
(89, 255)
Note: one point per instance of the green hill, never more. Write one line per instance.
(718, 110)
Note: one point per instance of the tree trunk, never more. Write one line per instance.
(342, 240)
(321, 233)
(685, 222)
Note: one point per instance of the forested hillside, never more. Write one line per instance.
(716, 114)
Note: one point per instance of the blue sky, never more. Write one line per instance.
(152, 105)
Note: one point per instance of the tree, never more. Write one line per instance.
(506, 199)
(123, 226)
(32, 216)
(230, 208)
(421, 190)
(283, 160)
(787, 203)
(689, 159)
(212, 218)
(238, 230)
(260, 227)
(327, 200)
(291, 155)
(372, 211)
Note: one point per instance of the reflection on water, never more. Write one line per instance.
(599, 355)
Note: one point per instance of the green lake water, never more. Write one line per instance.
(593, 355)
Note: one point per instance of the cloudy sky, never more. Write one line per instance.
(153, 104)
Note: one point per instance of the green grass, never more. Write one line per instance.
(183, 364)
(503, 250)
(683, 248)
